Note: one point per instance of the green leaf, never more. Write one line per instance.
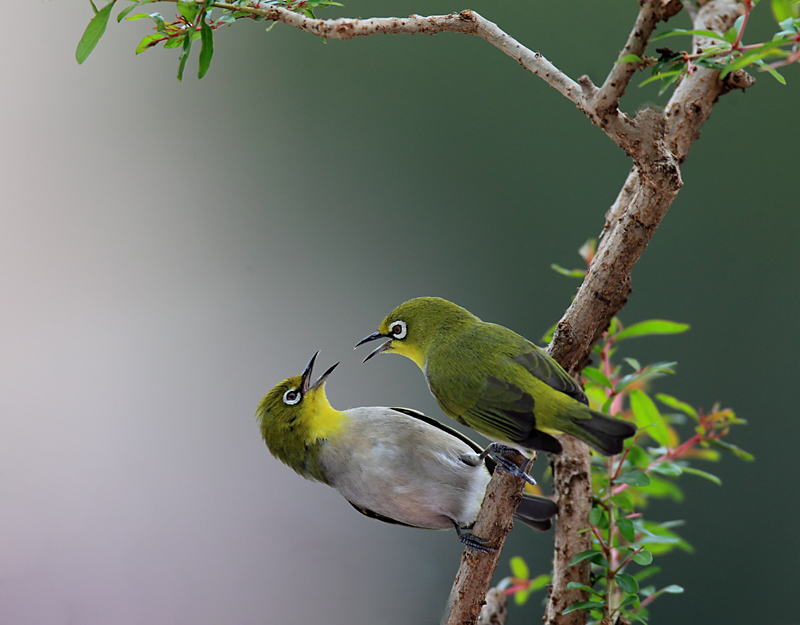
(583, 605)
(676, 404)
(667, 468)
(730, 35)
(660, 539)
(622, 501)
(596, 515)
(207, 51)
(630, 599)
(648, 572)
(737, 451)
(653, 326)
(539, 582)
(633, 363)
(625, 527)
(136, 4)
(638, 457)
(149, 42)
(579, 586)
(772, 72)
(634, 478)
(570, 273)
(630, 58)
(680, 31)
(125, 11)
(597, 376)
(519, 569)
(674, 74)
(650, 371)
(627, 582)
(708, 476)
(673, 589)
(647, 416)
(187, 48)
(594, 556)
(94, 30)
(643, 557)
(660, 488)
(188, 10)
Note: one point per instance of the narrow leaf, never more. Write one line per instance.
(670, 401)
(187, 48)
(597, 376)
(579, 586)
(125, 11)
(673, 589)
(653, 326)
(708, 476)
(570, 273)
(592, 555)
(681, 31)
(583, 605)
(739, 452)
(207, 51)
(667, 468)
(149, 42)
(539, 582)
(630, 58)
(772, 72)
(647, 416)
(188, 10)
(662, 76)
(94, 30)
(635, 365)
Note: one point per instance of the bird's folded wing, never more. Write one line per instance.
(548, 371)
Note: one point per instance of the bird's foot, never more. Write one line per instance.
(500, 452)
(472, 541)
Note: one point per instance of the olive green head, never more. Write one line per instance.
(295, 415)
(414, 326)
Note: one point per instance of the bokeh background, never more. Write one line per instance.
(169, 252)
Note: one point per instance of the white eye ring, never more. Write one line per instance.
(398, 329)
(292, 397)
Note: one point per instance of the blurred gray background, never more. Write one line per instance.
(169, 252)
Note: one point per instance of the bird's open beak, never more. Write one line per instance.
(374, 337)
(324, 376)
(304, 380)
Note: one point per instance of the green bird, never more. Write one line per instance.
(494, 380)
(391, 464)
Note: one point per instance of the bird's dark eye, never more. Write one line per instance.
(292, 396)
(398, 329)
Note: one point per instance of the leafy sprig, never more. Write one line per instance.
(727, 52)
(624, 542)
(192, 22)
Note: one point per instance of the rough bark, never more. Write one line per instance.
(658, 143)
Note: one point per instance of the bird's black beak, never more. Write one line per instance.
(304, 380)
(374, 337)
(324, 376)
(307, 374)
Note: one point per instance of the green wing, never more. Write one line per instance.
(507, 413)
(539, 364)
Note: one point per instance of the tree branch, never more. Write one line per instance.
(643, 201)
(657, 143)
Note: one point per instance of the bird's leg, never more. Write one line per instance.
(507, 464)
(472, 541)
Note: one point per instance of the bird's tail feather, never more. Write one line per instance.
(603, 433)
(536, 512)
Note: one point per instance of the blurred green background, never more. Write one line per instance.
(170, 251)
